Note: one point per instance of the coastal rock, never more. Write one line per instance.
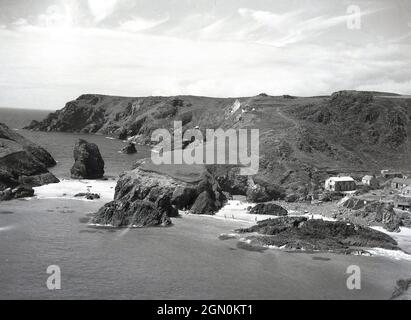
(87, 195)
(389, 219)
(23, 165)
(183, 197)
(140, 213)
(38, 180)
(166, 189)
(22, 192)
(88, 161)
(259, 193)
(130, 148)
(268, 208)
(301, 233)
(371, 213)
(204, 204)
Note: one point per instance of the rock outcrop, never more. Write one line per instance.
(300, 233)
(371, 213)
(87, 195)
(130, 148)
(88, 161)
(149, 197)
(268, 208)
(23, 165)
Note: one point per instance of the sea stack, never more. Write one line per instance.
(89, 163)
(130, 148)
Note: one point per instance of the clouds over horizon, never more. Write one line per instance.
(55, 52)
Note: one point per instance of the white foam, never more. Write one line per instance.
(393, 254)
(67, 188)
(404, 232)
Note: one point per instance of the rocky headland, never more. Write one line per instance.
(23, 165)
(303, 140)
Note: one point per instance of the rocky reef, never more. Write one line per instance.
(268, 208)
(88, 162)
(150, 195)
(23, 165)
(300, 233)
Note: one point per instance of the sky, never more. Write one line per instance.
(52, 51)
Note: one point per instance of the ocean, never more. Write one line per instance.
(184, 261)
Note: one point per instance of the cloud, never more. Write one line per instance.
(101, 9)
(240, 52)
(269, 19)
(20, 22)
(55, 16)
(139, 24)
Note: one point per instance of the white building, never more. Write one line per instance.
(340, 184)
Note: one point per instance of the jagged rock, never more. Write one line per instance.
(372, 213)
(19, 192)
(183, 197)
(38, 180)
(22, 192)
(23, 165)
(389, 219)
(140, 213)
(257, 194)
(204, 204)
(87, 195)
(148, 184)
(130, 148)
(303, 234)
(268, 208)
(6, 194)
(88, 161)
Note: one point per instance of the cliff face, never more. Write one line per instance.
(22, 163)
(302, 140)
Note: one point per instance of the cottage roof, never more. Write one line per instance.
(367, 177)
